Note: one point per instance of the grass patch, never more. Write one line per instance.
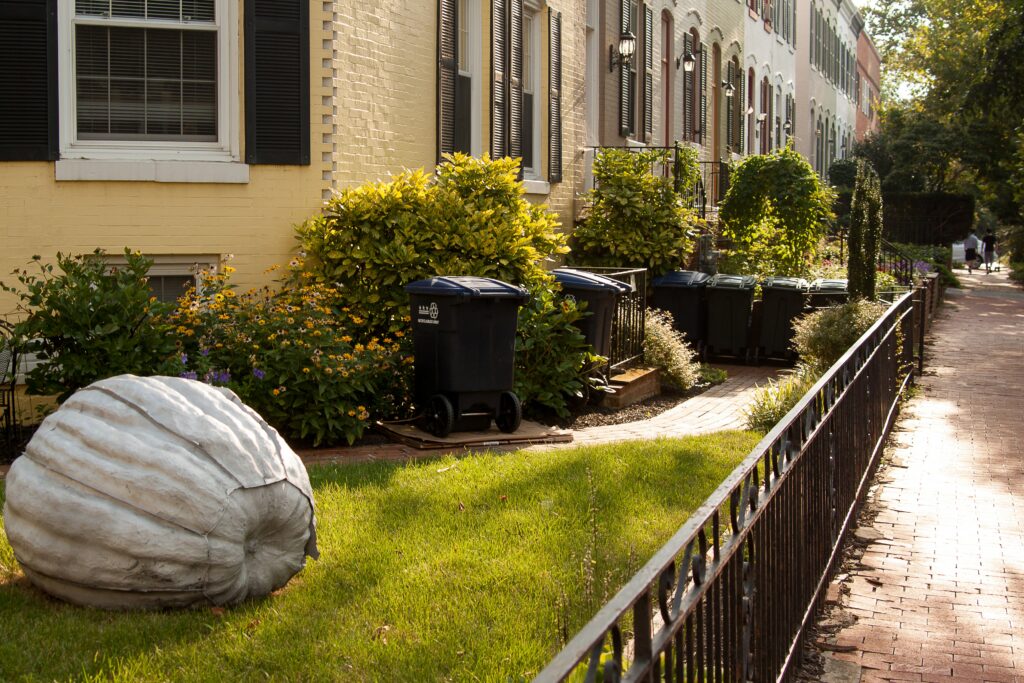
(453, 569)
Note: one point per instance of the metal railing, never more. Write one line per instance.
(892, 260)
(627, 339)
(729, 596)
(9, 431)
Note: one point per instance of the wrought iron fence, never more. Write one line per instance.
(627, 340)
(893, 261)
(8, 370)
(729, 596)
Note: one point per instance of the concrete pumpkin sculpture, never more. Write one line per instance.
(158, 492)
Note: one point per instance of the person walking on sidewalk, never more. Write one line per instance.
(989, 240)
(971, 252)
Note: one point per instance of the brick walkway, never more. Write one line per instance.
(719, 408)
(938, 594)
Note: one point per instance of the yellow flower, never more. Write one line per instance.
(329, 371)
(351, 413)
(305, 371)
(228, 270)
(346, 339)
(218, 297)
(277, 392)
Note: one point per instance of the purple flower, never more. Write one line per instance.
(191, 374)
(184, 359)
(258, 374)
(204, 352)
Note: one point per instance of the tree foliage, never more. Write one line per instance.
(956, 90)
(865, 234)
(775, 212)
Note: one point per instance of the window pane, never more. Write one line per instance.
(128, 8)
(146, 84)
(92, 7)
(163, 9)
(127, 106)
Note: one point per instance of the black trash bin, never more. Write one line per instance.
(601, 295)
(464, 337)
(682, 293)
(730, 299)
(782, 300)
(824, 293)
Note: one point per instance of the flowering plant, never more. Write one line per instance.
(290, 355)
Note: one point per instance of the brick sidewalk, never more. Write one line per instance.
(938, 594)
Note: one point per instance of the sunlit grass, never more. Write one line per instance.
(454, 569)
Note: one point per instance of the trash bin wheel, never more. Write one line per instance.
(510, 412)
(439, 416)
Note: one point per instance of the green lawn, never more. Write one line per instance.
(453, 569)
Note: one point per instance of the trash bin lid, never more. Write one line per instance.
(682, 279)
(581, 279)
(722, 281)
(785, 283)
(824, 285)
(467, 286)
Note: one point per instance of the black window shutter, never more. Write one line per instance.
(515, 79)
(555, 97)
(447, 74)
(730, 109)
(28, 80)
(277, 82)
(688, 91)
(499, 79)
(648, 72)
(625, 96)
(704, 138)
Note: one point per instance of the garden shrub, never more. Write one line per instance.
(842, 173)
(471, 219)
(291, 355)
(822, 337)
(553, 358)
(775, 213)
(638, 218)
(772, 401)
(86, 321)
(666, 349)
(865, 231)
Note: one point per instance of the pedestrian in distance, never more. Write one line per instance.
(989, 240)
(971, 252)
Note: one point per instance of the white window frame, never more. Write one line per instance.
(474, 61)
(225, 149)
(539, 92)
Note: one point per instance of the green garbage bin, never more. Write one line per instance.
(464, 337)
(825, 293)
(730, 300)
(782, 300)
(682, 293)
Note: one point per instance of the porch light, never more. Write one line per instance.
(762, 117)
(730, 89)
(689, 62)
(787, 126)
(624, 53)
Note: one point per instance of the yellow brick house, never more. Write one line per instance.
(194, 129)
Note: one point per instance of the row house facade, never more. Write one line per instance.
(766, 73)
(195, 129)
(192, 130)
